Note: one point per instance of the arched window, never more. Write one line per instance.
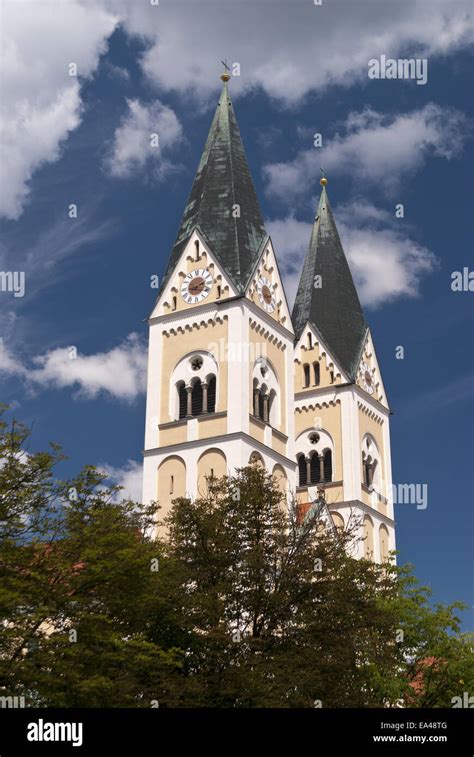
(261, 406)
(183, 400)
(315, 468)
(384, 543)
(303, 475)
(306, 376)
(264, 402)
(271, 398)
(327, 465)
(265, 389)
(369, 470)
(196, 399)
(317, 376)
(256, 459)
(366, 472)
(193, 386)
(211, 395)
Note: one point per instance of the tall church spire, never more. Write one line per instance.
(223, 204)
(330, 302)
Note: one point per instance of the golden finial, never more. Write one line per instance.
(225, 76)
(323, 181)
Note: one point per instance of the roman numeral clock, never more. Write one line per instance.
(196, 286)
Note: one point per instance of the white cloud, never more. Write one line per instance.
(291, 240)
(119, 373)
(310, 51)
(9, 364)
(385, 262)
(288, 53)
(130, 477)
(374, 148)
(132, 146)
(40, 102)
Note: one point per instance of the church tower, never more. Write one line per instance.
(220, 368)
(342, 440)
(234, 378)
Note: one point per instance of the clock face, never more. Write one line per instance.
(196, 286)
(367, 378)
(265, 295)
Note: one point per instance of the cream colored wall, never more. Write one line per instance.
(256, 430)
(211, 426)
(338, 521)
(333, 493)
(278, 444)
(276, 356)
(305, 355)
(368, 538)
(279, 476)
(376, 502)
(384, 543)
(171, 466)
(212, 459)
(330, 422)
(173, 435)
(184, 341)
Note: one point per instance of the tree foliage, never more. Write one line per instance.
(239, 603)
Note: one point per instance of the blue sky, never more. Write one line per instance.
(84, 140)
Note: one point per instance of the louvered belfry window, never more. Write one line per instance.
(303, 475)
(211, 395)
(315, 469)
(196, 399)
(261, 408)
(327, 465)
(183, 401)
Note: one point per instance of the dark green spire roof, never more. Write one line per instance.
(223, 180)
(334, 309)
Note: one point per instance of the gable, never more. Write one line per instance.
(368, 374)
(311, 348)
(196, 258)
(266, 289)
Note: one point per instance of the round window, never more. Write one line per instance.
(196, 363)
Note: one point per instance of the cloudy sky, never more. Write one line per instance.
(85, 83)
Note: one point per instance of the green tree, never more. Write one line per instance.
(252, 605)
(76, 585)
(277, 613)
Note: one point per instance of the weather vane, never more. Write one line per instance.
(323, 181)
(225, 76)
